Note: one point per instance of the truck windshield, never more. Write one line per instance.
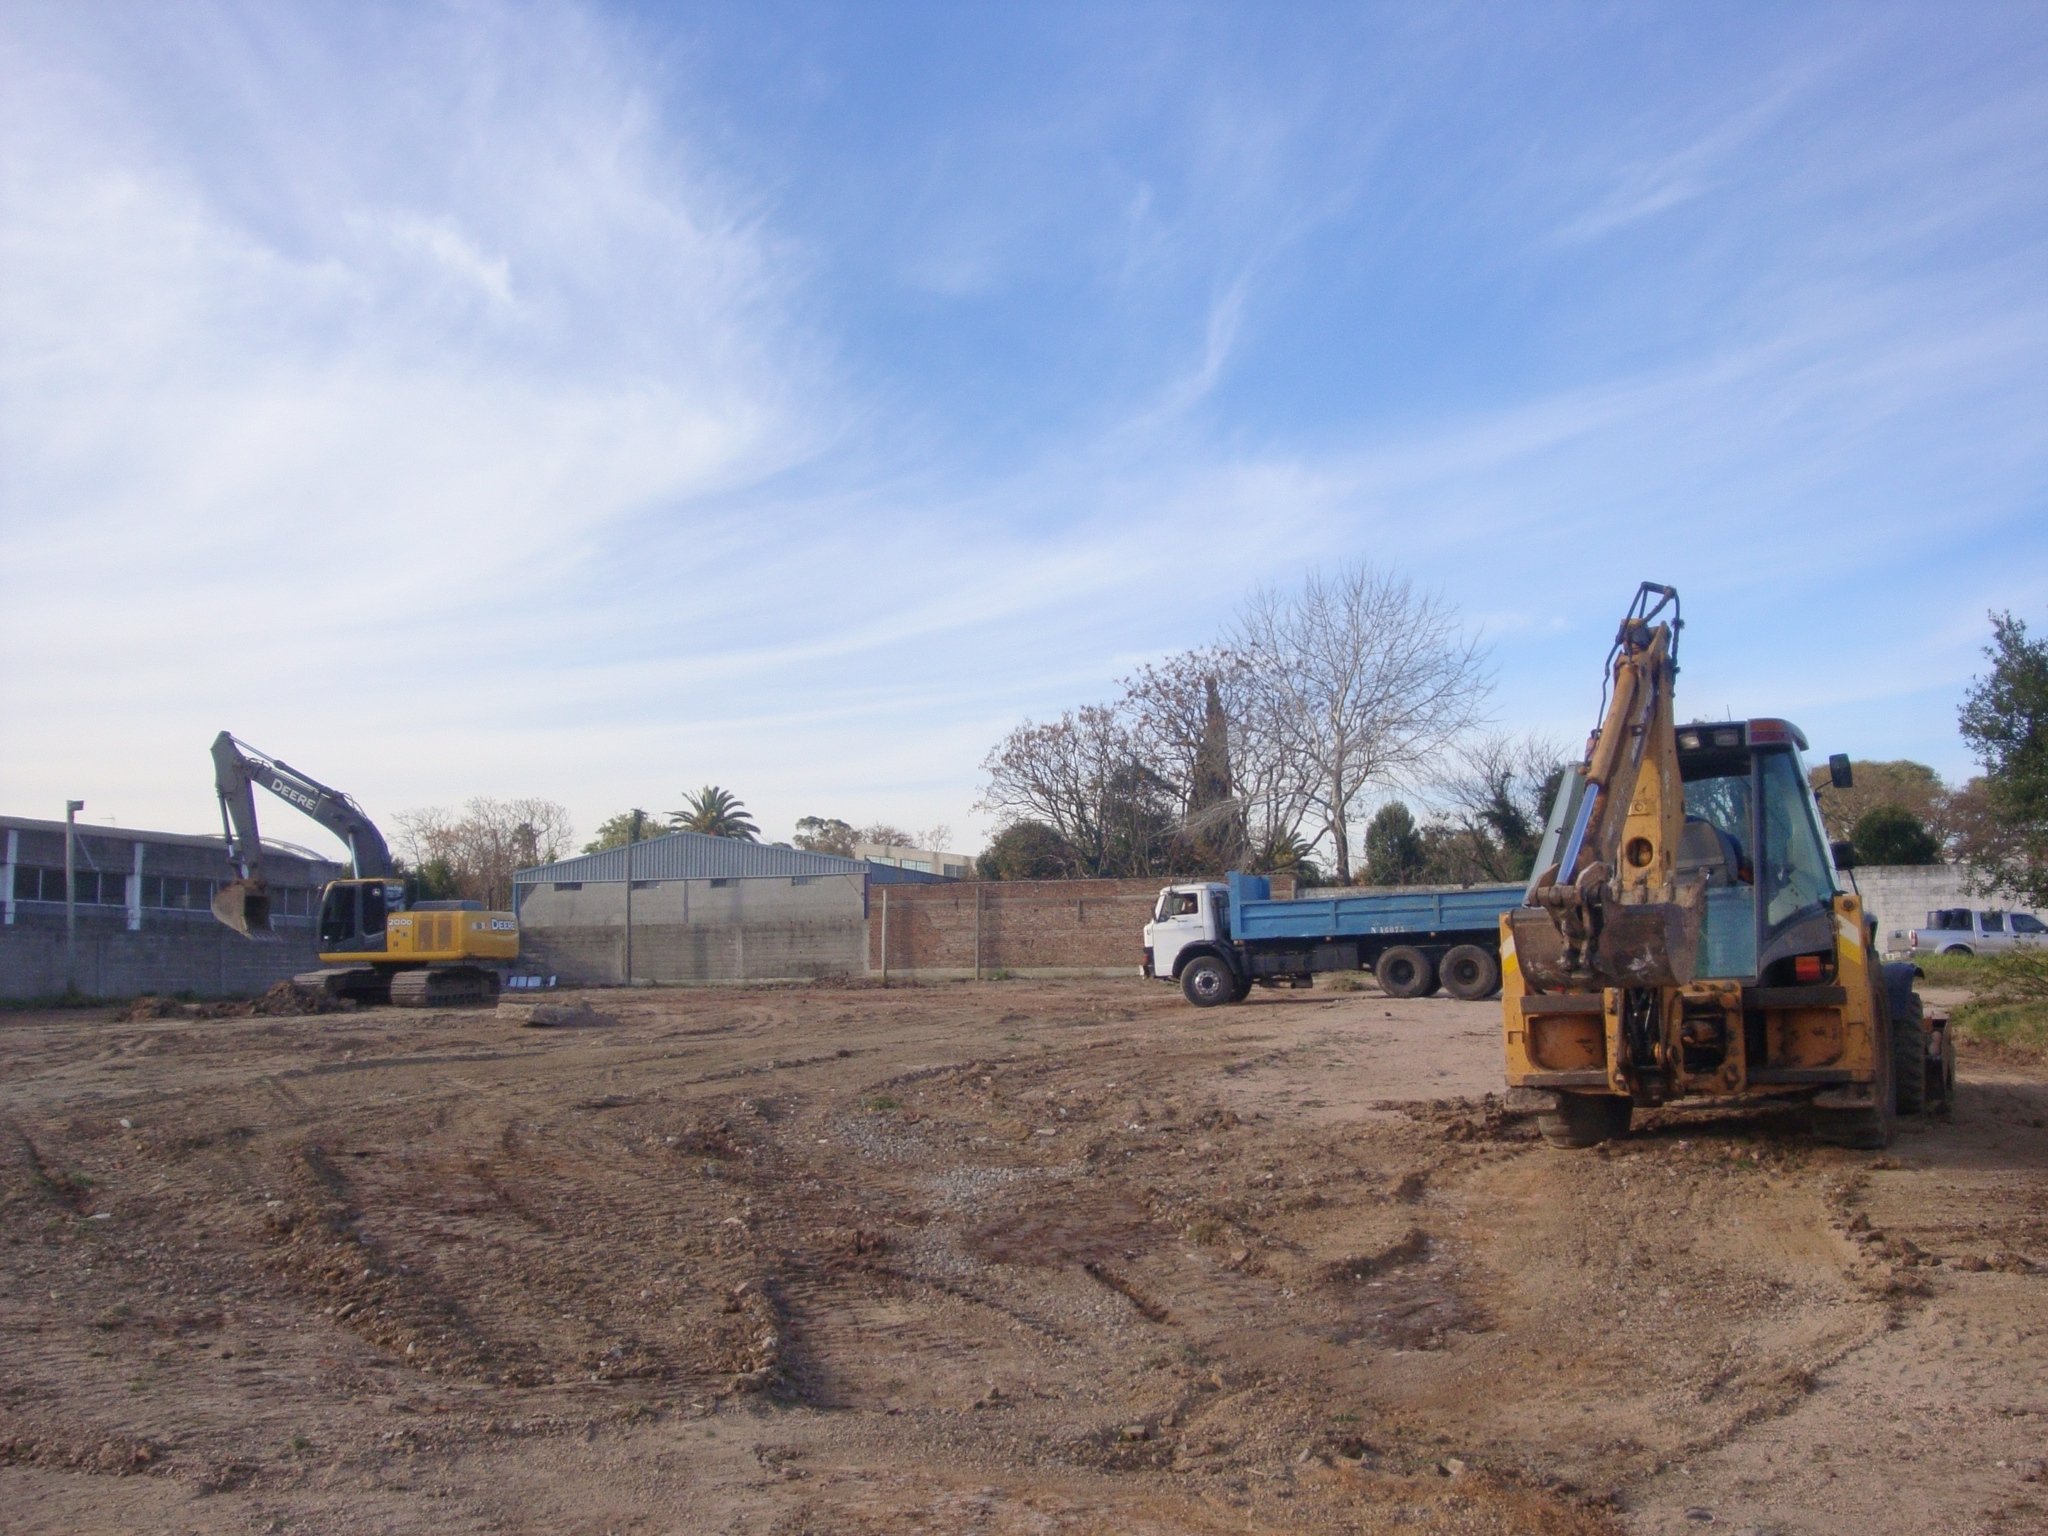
(1797, 872)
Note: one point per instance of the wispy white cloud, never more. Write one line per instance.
(424, 392)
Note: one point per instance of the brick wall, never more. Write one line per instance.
(1026, 927)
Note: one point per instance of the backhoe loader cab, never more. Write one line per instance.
(1698, 942)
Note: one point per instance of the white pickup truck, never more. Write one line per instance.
(1967, 931)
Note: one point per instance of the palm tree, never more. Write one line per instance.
(716, 813)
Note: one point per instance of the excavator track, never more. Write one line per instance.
(453, 987)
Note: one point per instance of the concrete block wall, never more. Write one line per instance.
(1027, 927)
(112, 962)
(1900, 896)
(695, 931)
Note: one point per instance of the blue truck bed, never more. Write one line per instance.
(1255, 915)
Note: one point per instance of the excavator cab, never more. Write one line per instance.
(353, 915)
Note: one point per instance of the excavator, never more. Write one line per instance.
(377, 944)
(1687, 935)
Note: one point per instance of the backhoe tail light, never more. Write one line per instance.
(1806, 969)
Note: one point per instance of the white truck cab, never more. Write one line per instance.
(1186, 916)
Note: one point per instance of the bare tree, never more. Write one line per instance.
(1495, 793)
(1194, 719)
(1083, 776)
(480, 849)
(1364, 680)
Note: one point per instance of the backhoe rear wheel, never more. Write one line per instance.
(1469, 973)
(1404, 971)
(1586, 1119)
(1909, 1059)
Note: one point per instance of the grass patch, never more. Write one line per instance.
(2014, 1024)
(883, 1103)
(1953, 970)
(2010, 1001)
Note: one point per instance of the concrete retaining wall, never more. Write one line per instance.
(697, 931)
(1026, 927)
(1900, 896)
(207, 960)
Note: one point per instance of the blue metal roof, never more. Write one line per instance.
(694, 856)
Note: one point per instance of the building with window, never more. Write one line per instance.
(143, 911)
(701, 909)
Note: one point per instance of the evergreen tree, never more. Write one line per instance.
(2005, 720)
(1393, 847)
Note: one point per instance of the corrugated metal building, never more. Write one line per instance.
(143, 910)
(703, 909)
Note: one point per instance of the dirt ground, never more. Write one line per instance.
(1001, 1257)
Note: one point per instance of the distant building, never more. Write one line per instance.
(144, 920)
(704, 909)
(927, 861)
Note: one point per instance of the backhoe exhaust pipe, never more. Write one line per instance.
(244, 906)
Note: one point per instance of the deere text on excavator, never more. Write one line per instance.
(1687, 935)
(378, 945)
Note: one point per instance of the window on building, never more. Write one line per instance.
(568, 885)
(803, 879)
(727, 880)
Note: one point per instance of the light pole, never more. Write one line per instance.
(71, 810)
(632, 837)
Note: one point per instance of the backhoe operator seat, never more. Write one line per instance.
(1704, 849)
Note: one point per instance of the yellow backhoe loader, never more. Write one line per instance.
(1687, 934)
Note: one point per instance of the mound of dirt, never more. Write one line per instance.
(576, 1015)
(285, 1000)
(288, 999)
(148, 1007)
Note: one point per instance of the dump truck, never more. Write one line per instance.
(377, 943)
(1688, 936)
(1221, 939)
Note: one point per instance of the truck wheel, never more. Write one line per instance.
(1909, 1060)
(1404, 971)
(1586, 1119)
(1469, 973)
(1207, 982)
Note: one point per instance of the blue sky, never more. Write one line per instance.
(597, 401)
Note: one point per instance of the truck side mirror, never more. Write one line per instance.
(1845, 854)
(1839, 772)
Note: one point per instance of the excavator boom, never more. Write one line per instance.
(244, 905)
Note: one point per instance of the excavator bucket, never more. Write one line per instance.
(245, 907)
(1648, 944)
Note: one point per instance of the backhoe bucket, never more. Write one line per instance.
(1654, 944)
(245, 907)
